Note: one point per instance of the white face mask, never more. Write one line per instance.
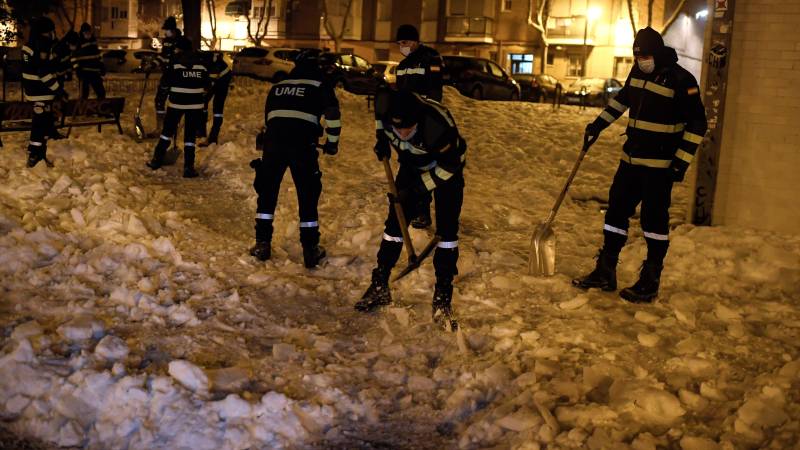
(405, 51)
(168, 33)
(646, 65)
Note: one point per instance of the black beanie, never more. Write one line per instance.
(183, 44)
(86, 28)
(71, 37)
(648, 43)
(404, 110)
(407, 32)
(170, 24)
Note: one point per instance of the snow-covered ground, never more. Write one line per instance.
(133, 317)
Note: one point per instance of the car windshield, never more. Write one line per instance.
(588, 83)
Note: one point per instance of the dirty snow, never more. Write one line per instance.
(133, 317)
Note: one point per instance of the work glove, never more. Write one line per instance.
(677, 171)
(592, 130)
(330, 148)
(382, 150)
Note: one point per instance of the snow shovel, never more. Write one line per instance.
(137, 118)
(542, 261)
(414, 260)
(173, 153)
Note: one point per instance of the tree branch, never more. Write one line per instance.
(673, 17)
(630, 14)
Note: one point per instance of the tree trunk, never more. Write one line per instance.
(630, 14)
(673, 17)
(649, 12)
(337, 37)
(212, 18)
(191, 21)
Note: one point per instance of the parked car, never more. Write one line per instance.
(120, 61)
(147, 61)
(354, 74)
(479, 78)
(386, 71)
(592, 91)
(538, 87)
(273, 64)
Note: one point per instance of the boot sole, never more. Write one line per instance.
(372, 308)
(633, 298)
(604, 288)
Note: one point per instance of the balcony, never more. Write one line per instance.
(569, 30)
(470, 29)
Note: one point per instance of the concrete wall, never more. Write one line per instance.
(758, 183)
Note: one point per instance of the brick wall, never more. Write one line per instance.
(759, 172)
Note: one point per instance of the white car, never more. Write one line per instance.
(273, 64)
(388, 70)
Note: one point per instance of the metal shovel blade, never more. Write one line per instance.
(139, 128)
(543, 251)
(414, 265)
(171, 156)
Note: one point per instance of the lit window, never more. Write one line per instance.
(575, 66)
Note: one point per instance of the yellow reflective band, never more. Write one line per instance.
(659, 89)
(378, 125)
(691, 137)
(47, 78)
(332, 138)
(181, 90)
(656, 127)
(428, 180)
(29, 76)
(314, 83)
(443, 174)
(334, 123)
(174, 106)
(655, 163)
(684, 155)
(635, 82)
(39, 98)
(225, 72)
(617, 105)
(292, 114)
(85, 58)
(607, 117)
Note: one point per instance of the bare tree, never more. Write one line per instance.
(673, 17)
(264, 16)
(630, 14)
(328, 23)
(650, 12)
(211, 6)
(64, 15)
(539, 22)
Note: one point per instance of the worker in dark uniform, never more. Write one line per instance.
(186, 80)
(667, 122)
(221, 76)
(62, 60)
(432, 155)
(171, 36)
(88, 64)
(293, 111)
(40, 85)
(419, 72)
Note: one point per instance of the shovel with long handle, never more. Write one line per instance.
(542, 260)
(414, 260)
(137, 118)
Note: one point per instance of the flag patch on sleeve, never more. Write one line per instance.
(435, 68)
(693, 90)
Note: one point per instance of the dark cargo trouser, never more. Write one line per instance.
(301, 160)
(652, 187)
(173, 118)
(93, 80)
(41, 126)
(449, 197)
(219, 93)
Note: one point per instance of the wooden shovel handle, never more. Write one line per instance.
(398, 210)
(587, 142)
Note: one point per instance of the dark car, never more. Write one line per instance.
(479, 78)
(538, 87)
(355, 74)
(147, 61)
(592, 91)
(12, 63)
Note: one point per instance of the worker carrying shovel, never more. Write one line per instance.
(667, 123)
(432, 155)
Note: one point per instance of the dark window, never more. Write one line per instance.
(347, 60)
(551, 58)
(253, 52)
(381, 54)
(496, 71)
(361, 62)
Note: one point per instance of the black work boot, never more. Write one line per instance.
(645, 290)
(441, 308)
(34, 158)
(188, 162)
(378, 293)
(189, 172)
(604, 275)
(423, 220)
(312, 255)
(261, 250)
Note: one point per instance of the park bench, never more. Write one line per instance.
(16, 116)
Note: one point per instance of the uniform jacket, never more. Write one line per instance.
(168, 48)
(186, 79)
(62, 59)
(39, 79)
(436, 149)
(666, 121)
(219, 71)
(86, 58)
(421, 73)
(296, 105)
